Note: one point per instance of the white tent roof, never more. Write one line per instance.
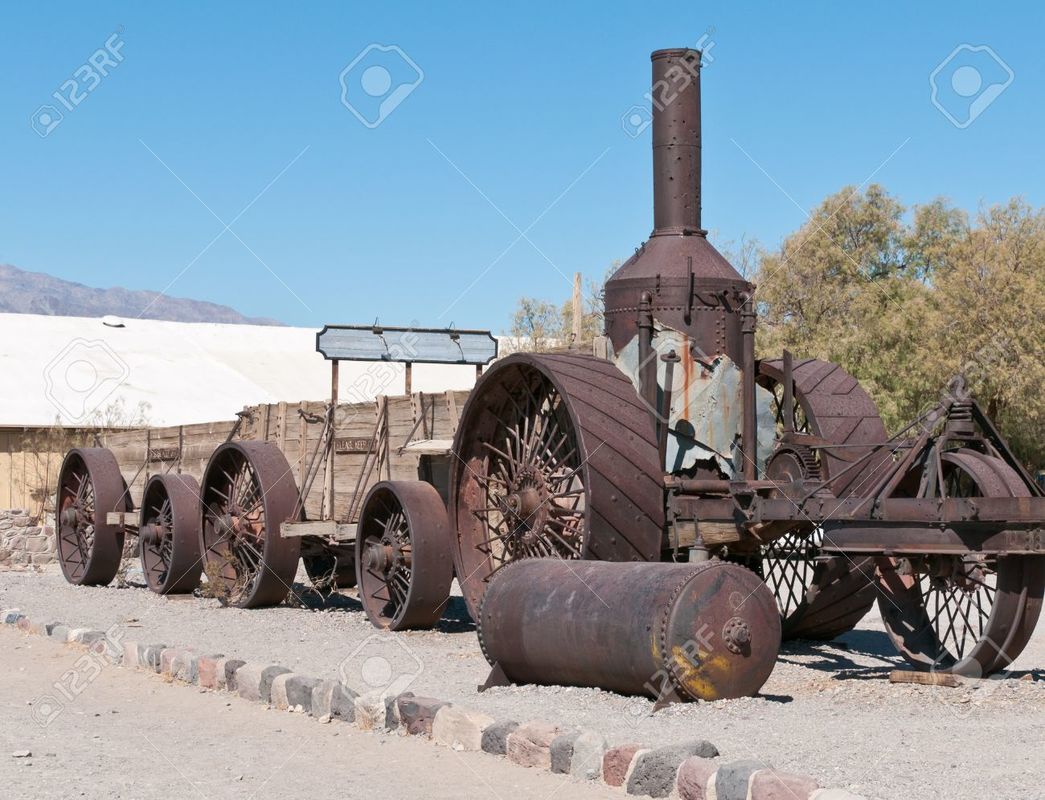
(71, 370)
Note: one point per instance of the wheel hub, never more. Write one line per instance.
(227, 525)
(151, 534)
(71, 516)
(386, 555)
(526, 505)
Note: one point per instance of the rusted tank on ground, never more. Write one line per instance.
(707, 631)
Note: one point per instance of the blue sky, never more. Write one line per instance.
(516, 123)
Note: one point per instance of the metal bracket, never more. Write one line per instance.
(495, 678)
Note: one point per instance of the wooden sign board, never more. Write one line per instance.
(164, 453)
(354, 444)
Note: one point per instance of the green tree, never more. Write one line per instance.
(539, 325)
(906, 300)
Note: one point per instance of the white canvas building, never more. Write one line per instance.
(61, 375)
(73, 371)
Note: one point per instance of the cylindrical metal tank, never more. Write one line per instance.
(703, 631)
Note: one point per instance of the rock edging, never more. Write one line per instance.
(690, 770)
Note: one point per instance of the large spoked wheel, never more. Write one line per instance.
(169, 528)
(89, 486)
(970, 614)
(403, 561)
(821, 597)
(556, 457)
(248, 492)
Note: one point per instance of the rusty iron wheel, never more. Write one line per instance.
(248, 493)
(169, 533)
(403, 562)
(970, 614)
(89, 486)
(555, 456)
(329, 566)
(821, 597)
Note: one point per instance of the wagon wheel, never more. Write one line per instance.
(403, 562)
(329, 566)
(821, 597)
(970, 614)
(248, 492)
(89, 486)
(169, 529)
(555, 456)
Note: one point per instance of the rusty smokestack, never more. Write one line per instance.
(689, 286)
(675, 94)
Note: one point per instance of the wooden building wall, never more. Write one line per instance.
(296, 428)
(29, 462)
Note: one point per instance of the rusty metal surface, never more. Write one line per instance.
(837, 409)
(706, 410)
(968, 613)
(819, 597)
(555, 455)
(89, 487)
(669, 631)
(676, 141)
(169, 528)
(248, 491)
(403, 563)
(694, 288)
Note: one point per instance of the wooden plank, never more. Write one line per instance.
(717, 533)
(428, 447)
(924, 678)
(281, 426)
(290, 530)
(302, 442)
(454, 414)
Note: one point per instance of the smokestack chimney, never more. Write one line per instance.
(675, 93)
(677, 277)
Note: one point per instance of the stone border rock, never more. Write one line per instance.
(690, 770)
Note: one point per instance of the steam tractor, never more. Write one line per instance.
(611, 519)
(683, 447)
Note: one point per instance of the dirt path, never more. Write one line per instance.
(828, 709)
(131, 735)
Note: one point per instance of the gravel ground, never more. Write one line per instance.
(134, 736)
(827, 710)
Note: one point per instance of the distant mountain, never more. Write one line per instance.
(24, 292)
